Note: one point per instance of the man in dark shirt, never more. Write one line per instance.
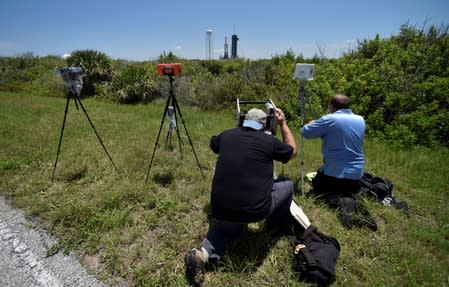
(243, 187)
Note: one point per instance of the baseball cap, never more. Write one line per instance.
(255, 118)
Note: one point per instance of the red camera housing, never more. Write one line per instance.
(169, 69)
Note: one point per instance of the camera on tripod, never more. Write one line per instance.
(73, 77)
(270, 111)
(172, 109)
(169, 69)
(304, 72)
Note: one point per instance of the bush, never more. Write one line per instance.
(211, 92)
(97, 66)
(32, 74)
(399, 84)
(133, 83)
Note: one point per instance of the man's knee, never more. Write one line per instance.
(284, 186)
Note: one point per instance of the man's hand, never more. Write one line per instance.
(287, 135)
(280, 117)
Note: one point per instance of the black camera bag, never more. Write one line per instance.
(378, 187)
(382, 190)
(315, 256)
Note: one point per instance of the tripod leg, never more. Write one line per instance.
(311, 109)
(188, 136)
(96, 133)
(166, 139)
(60, 137)
(177, 132)
(303, 111)
(158, 135)
(302, 165)
(172, 95)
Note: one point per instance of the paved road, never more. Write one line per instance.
(23, 261)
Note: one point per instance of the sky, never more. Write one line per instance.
(143, 30)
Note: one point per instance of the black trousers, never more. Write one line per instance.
(332, 189)
(343, 194)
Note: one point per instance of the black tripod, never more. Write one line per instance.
(77, 100)
(174, 107)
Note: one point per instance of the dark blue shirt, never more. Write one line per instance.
(343, 134)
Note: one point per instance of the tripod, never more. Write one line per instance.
(174, 108)
(172, 126)
(302, 100)
(77, 100)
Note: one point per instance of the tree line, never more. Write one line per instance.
(399, 84)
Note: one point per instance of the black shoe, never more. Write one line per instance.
(195, 264)
(346, 220)
(346, 206)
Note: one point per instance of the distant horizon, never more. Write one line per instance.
(139, 30)
(352, 48)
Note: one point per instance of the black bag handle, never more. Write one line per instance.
(307, 232)
(295, 240)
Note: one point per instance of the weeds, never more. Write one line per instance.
(135, 234)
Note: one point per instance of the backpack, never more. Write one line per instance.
(382, 190)
(315, 256)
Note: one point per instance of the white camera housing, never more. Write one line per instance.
(304, 72)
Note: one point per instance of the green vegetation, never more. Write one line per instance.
(98, 68)
(129, 233)
(399, 84)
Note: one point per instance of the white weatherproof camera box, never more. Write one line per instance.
(304, 72)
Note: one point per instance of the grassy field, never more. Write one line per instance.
(130, 233)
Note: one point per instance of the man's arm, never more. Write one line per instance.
(287, 136)
(316, 128)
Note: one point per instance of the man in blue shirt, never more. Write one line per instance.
(337, 180)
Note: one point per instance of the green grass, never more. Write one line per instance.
(131, 233)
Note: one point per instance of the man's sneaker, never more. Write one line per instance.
(346, 207)
(346, 219)
(195, 264)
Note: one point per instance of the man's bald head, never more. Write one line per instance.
(339, 101)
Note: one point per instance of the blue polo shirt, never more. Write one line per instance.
(342, 133)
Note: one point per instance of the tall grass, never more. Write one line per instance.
(134, 234)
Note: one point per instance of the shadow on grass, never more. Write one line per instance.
(75, 175)
(246, 254)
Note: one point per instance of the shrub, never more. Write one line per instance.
(217, 92)
(134, 83)
(97, 66)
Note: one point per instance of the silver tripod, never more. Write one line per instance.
(304, 73)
